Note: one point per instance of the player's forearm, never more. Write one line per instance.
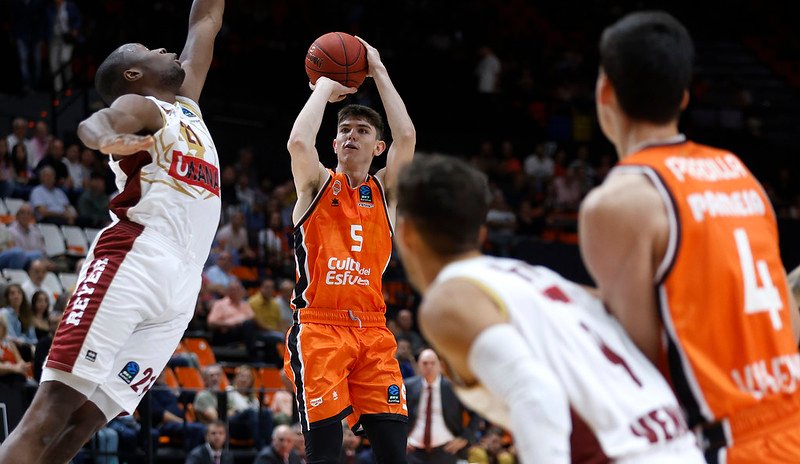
(207, 11)
(306, 126)
(94, 128)
(396, 114)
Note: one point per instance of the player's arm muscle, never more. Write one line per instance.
(205, 21)
(465, 325)
(118, 129)
(404, 135)
(451, 316)
(623, 230)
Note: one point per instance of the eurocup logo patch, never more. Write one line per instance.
(365, 194)
(393, 394)
(128, 373)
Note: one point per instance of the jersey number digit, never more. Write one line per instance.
(757, 299)
(355, 231)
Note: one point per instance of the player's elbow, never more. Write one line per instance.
(298, 145)
(406, 135)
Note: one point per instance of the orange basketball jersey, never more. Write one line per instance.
(722, 290)
(342, 247)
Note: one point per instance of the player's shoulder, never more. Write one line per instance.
(622, 194)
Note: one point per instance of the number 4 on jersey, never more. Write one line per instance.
(757, 299)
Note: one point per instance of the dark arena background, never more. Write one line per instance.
(531, 127)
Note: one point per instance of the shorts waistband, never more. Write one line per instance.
(748, 423)
(168, 244)
(345, 317)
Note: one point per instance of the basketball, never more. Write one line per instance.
(338, 56)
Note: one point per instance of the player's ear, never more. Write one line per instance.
(685, 100)
(132, 74)
(483, 233)
(380, 146)
(604, 92)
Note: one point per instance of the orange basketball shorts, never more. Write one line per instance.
(342, 364)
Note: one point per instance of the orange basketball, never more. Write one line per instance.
(338, 56)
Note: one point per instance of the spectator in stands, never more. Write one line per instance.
(26, 235)
(11, 256)
(62, 32)
(350, 445)
(284, 299)
(41, 144)
(539, 167)
(40, 308)
(405, 329)
(218, 277)
(282, 449)
(231, 319)
(299, 446)
(273, 241)
(6, 170)
(244, 192)
(54, 157)
(13, 368)
(247, 418)
(93, 203)
(501, 223)
(44, 342)
(205, 402)
(213, 450)
(19, 132)
(50, 202)
(169, 417)
(491, 450)
(405, 357)
(271, 329)
(445, 436)
(37, 271)
(22, 172)
(232, 237)
(78, 174)
(19, 319)
(26, 20)
(567, 190)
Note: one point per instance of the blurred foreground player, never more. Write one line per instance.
(137, 289)
(682, 242)
(523, 343)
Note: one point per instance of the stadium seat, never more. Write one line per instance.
(5, 216)
(13, 205)
(189, 377)
(90, 233)
(201, 348)
(68, 280)
(170, 378)
(271, 381)
(15, 276)
(53, 240)
(52, 285)
(77, 244)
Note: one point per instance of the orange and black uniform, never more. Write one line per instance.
(723, 300)
(340, 355)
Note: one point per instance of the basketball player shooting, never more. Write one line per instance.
(340, 355)
(137, 289)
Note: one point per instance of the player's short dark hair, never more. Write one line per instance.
(109, 80)
(363, 112)
(648, 58)
(446, 199)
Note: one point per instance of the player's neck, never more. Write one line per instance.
(433, 265)
(638, 135)
(168, 97)
(355, 176)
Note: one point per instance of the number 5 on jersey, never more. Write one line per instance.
(757, 299)
(355, 234)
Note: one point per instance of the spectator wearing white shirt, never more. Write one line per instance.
(51, 203)
(26, 235)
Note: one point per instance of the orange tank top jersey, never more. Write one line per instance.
(722, 289)
(342, 247)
